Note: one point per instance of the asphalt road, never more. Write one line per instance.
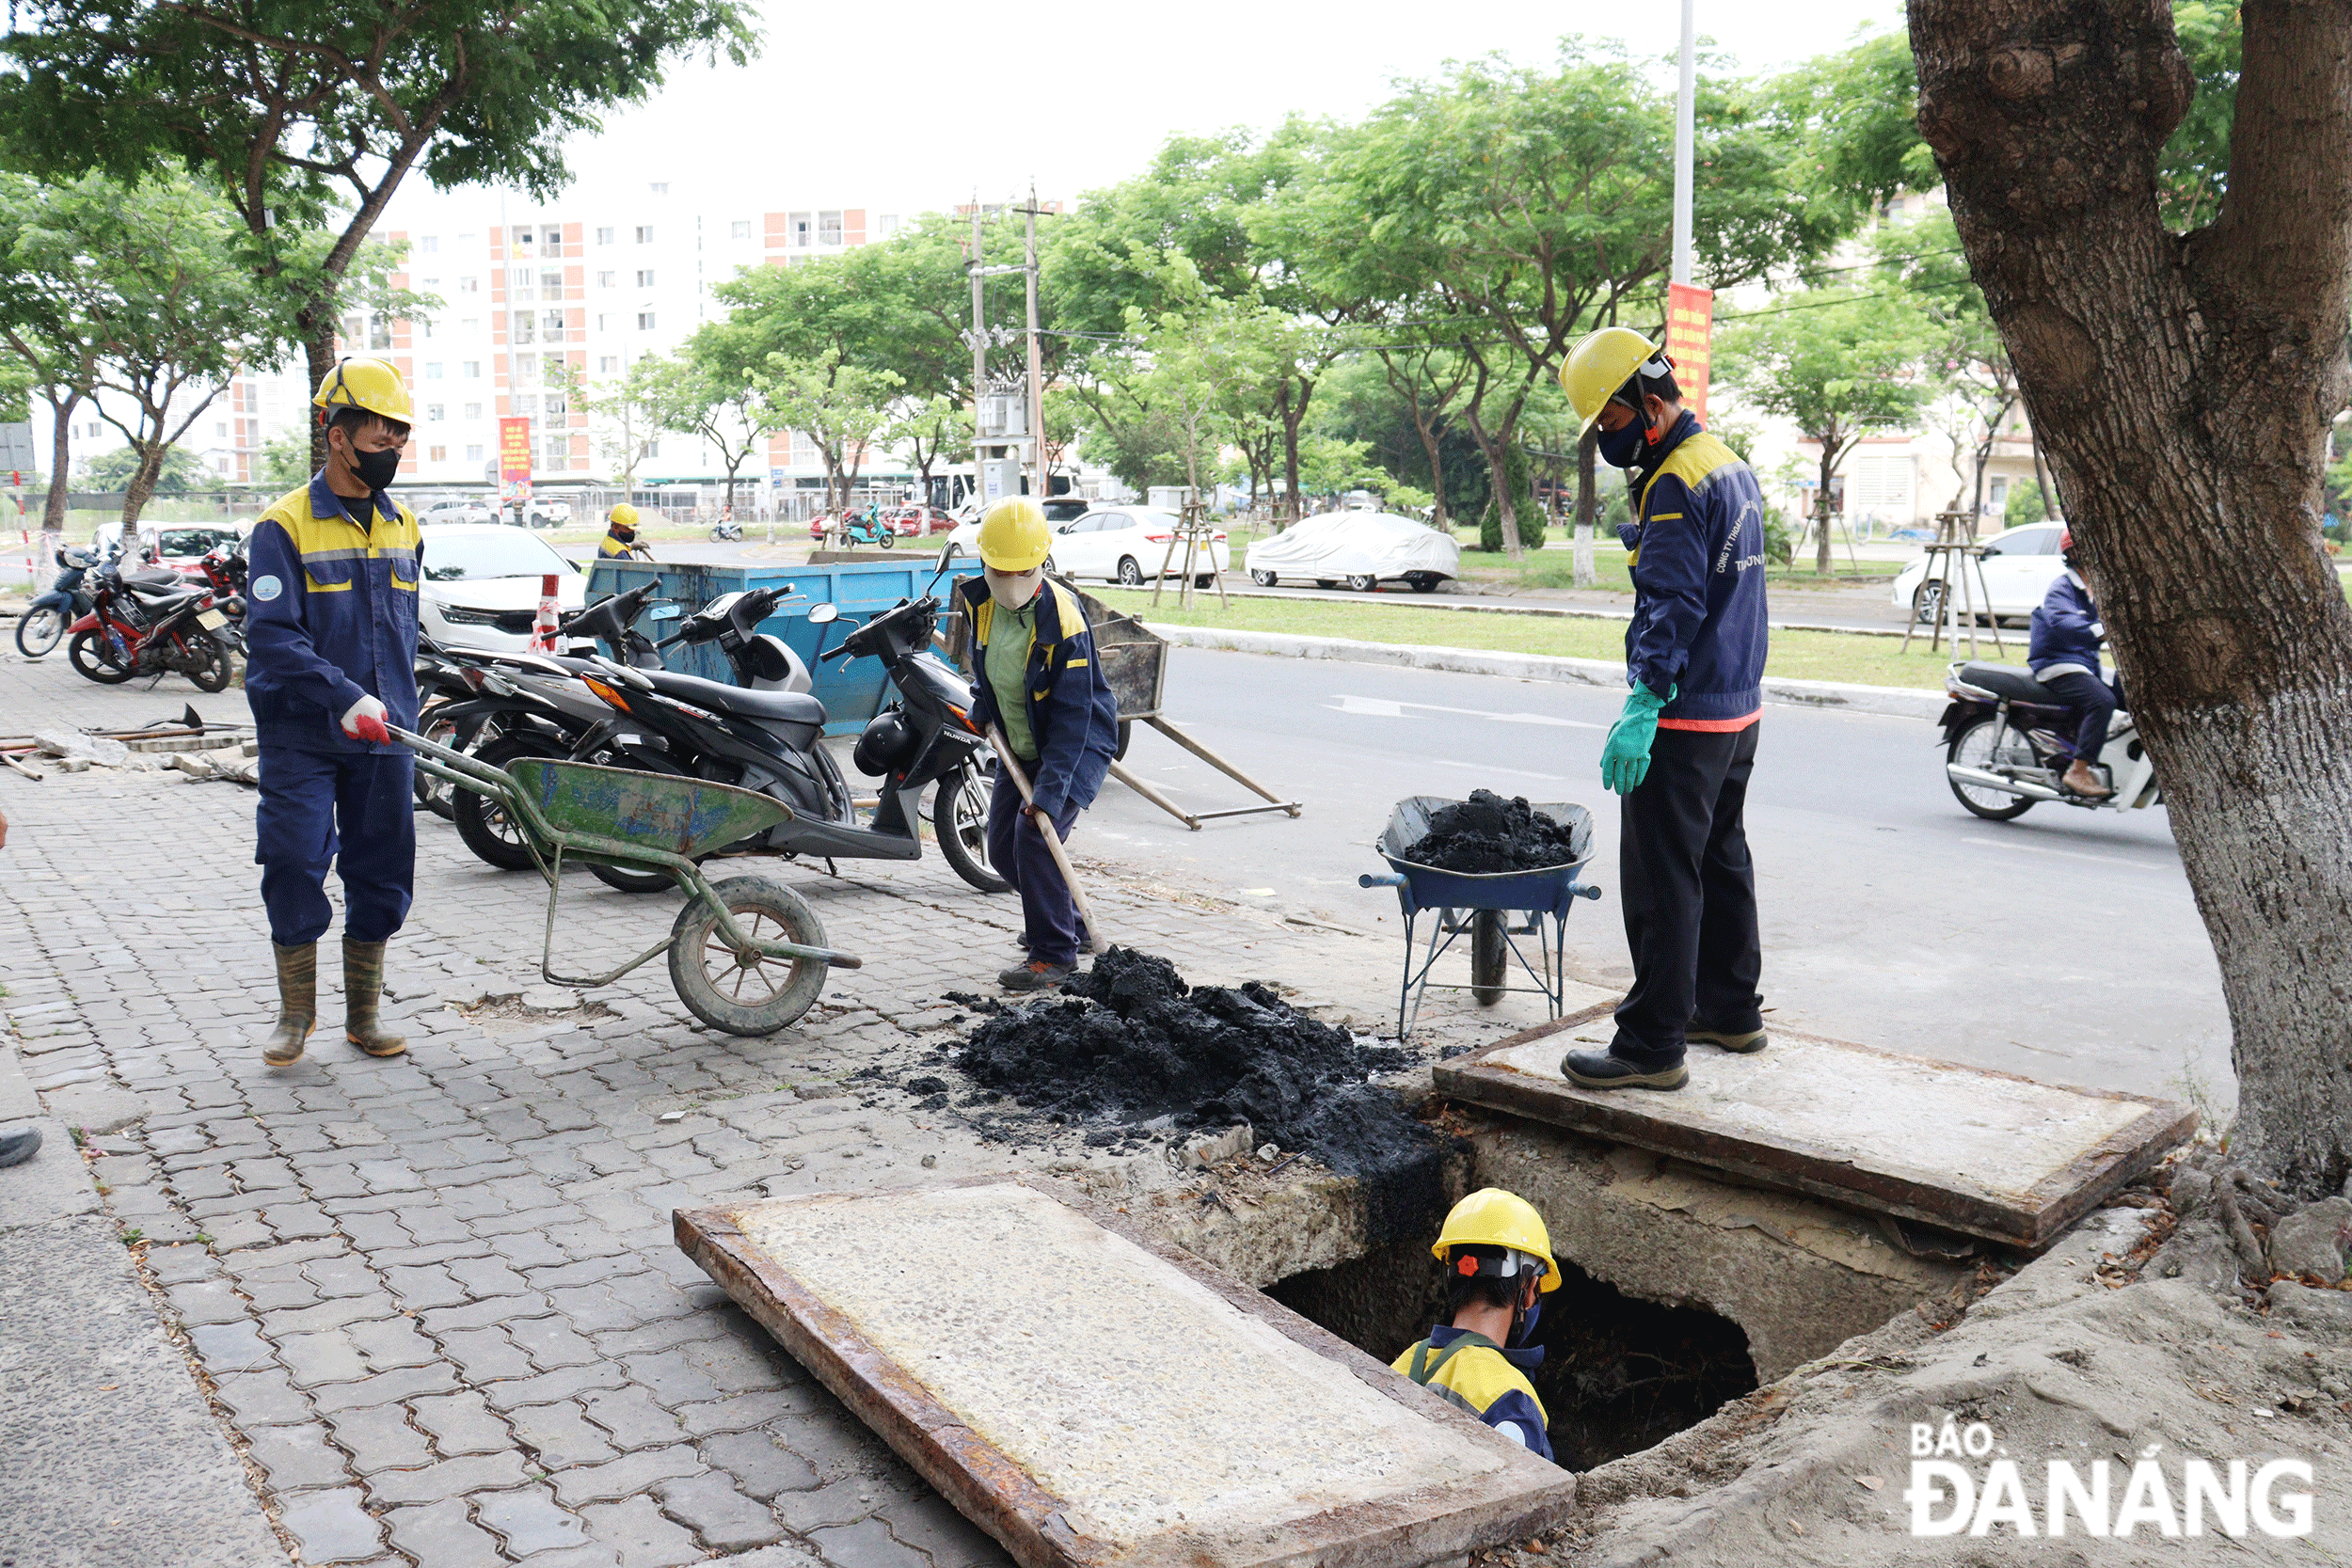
(2063, 945)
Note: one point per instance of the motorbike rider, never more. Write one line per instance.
(1682, 751)
(620, 536)
(331, 628)
(1041, 685)
(2064, 651)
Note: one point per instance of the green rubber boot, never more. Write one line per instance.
(297, 1004)
(363, 989)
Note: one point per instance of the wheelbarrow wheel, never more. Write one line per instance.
(764, 995)
(1490, 957)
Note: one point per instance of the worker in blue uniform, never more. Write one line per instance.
(1681, 752)
(331, 624)
(1497, 1257)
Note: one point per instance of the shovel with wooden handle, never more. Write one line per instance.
(1095, 940)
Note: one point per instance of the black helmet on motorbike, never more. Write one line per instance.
(887, 744)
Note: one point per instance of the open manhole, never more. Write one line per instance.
(1620, 1374)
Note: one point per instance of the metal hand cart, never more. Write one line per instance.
(747, 956)
(1481, 904)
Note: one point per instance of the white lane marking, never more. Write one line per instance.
(1515, 772)
(1383, 707)
(2068, 854)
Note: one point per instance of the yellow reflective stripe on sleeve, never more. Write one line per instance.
(1075, 664)
(1662, 517)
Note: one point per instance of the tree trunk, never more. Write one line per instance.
(1495, 449)
(142, 486)
(60, 456)
(318, 347)
(1587, 505)
(2180, 384)
(1830, 455)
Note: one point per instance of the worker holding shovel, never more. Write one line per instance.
(1041, 690)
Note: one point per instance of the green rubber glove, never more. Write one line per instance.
(1625, 757)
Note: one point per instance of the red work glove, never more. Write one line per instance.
(365, 722)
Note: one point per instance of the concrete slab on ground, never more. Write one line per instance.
(1239, 1433)
(1985, 1153)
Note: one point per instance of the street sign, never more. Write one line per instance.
(1690, 323)
(775, 479)
(513, 458)
(16, 447)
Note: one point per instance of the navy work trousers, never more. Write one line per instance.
(1688, 889)
(2094, 702)
(354, 811)
(1017, 851)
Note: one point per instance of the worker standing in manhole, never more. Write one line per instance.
(1682, 751)
(331, 621)
(1041, 684)
(1497, 1261)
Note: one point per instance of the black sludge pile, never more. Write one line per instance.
(1488, 832)
(1137, 1044)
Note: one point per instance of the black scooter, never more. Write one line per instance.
(772, 740)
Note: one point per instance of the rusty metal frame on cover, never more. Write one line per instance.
(990, 1487)
(2046, 1209)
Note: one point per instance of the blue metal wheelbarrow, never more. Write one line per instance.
(747, 956)
(1482, 905)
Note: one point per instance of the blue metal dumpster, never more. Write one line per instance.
(861, 589)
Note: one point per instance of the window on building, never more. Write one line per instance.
(739, 230)
(432, 373)
(522, 283)
(469, 285)
(521, 331)
(473, 454)
(551, 285)
(424, 327)
(555, 451)
(551, 239)
(430, 283)
(604, 236)
(661, 187)
(804, 230)
(220, 465)
(380, 332)
(435, 412)
(554, 406)
(430, 244)
(653, 448)
(526, 403)
(473, 410)
(888, 224)
(473, 370)
(470, 324)
(436, 455)
(644, 277)
(644, 321)
(645, 233)
(605, 279)
(526, 238)
(829, 228)
(526, 369)
(604, 324)
(608, 363)
(220, 427)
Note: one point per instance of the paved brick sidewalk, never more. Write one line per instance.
(436, 1300)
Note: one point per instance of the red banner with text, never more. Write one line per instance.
(1689, 322)
(513, 458)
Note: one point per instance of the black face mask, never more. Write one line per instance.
(376, 470)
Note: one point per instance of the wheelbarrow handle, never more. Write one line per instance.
(1381, 878)
(1584, 890)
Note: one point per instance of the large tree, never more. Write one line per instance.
(309, 116)
(2182, 385)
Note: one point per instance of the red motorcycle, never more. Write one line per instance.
(147, 622)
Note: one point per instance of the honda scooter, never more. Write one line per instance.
(2008, 746)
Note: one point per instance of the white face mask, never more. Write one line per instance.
(1015, 590)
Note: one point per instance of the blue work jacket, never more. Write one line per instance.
(2064, 634)
(330, 617)
(1072, 711)
(1699, 622)
(1488, 1382)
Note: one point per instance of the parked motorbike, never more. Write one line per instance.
(772, 740)
(867, 528)
(149, 622)
(727, 529)
(68, 600)
(2007, 747)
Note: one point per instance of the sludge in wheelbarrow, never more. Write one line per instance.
(1481, 904)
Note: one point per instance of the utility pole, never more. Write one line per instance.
(1036, 381)
(1686, 258)
(979, 348)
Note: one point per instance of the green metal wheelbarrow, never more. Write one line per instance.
(746, 955)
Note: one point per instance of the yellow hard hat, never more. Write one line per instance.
(1013, 535)
(1492, 1217)
(1600, 364)
(623, 515)
(374, 384)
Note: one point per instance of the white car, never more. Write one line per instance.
(2019, 568)
(457, 512)
(482, 584)
(1131, 545)
(1362, 549)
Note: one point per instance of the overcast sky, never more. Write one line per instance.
(911, 104)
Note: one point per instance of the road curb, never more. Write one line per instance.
(1893, 701)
